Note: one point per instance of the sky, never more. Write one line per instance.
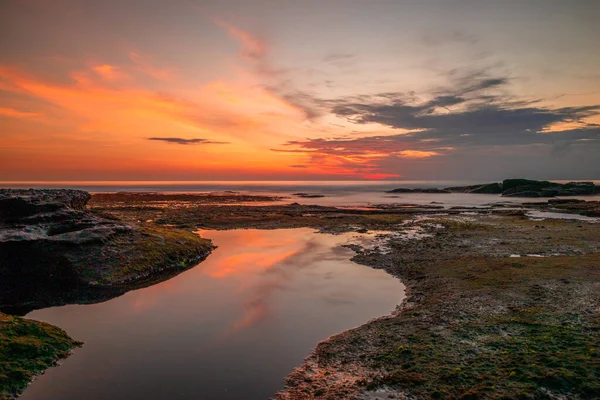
(299, 90)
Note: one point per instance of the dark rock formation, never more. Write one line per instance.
(418, 190)
(565, 201)
(54, 251)
(401, 190)
(487, 188)
(530, 188)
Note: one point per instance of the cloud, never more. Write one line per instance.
(474, 113)
(183, 141)
(470, 113)
(109, 72)
(298, 166)
(256, 52)
(11, 112)
(252, 47)
(145, 65)
(417, 153)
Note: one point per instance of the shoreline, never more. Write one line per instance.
(332, 371)
(447, 285)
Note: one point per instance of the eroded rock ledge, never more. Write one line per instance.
(54, 251)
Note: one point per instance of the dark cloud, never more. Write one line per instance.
(474, 114)
(185, 141)
(299, 166)
(308, 104)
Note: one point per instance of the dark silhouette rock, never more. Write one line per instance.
(53, 250)
(565, 201)
(401, 190)
(418, 190)
(487, 188)
(309, 195)
(530, 188)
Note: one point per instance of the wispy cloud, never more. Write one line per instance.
(11, 112)
(183, 141)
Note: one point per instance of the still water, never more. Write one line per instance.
(231, 328)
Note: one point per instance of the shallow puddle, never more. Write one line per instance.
(542, 215)
(231, 328)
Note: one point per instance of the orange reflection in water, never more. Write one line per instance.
(249, 254)
(240, 263)
(250, 251)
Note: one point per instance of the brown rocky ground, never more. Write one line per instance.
(477, 323)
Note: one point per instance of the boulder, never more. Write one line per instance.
(51, 246)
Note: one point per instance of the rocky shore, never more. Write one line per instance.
(496, 308)
(54, 251)
(499, 305)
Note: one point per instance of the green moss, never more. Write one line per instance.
(483, 325)
(27, 348)
(152, 250)
(480, 359)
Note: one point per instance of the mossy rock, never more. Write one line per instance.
(27, 348)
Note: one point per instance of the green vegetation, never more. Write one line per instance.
(158, 249)
(535, 340)
(28, 348)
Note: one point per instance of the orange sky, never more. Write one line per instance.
(221, 96)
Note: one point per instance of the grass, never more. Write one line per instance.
(27, 348)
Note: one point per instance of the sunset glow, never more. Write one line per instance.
(278, 93)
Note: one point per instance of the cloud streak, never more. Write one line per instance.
(183, 141)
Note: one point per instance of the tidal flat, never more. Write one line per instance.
(477, 321)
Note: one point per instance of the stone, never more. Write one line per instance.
(53, 250)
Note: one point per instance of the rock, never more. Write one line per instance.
(18, 204)
(418, 190)
(524, 193)
(487, 188)
(531, 188)
(432, 190)
(400, 190)
(509, 184)
(565, 201)
(52, 249)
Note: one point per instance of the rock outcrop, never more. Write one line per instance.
(530, 188)
(418, 190)
(486, 188)
(54, 251)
